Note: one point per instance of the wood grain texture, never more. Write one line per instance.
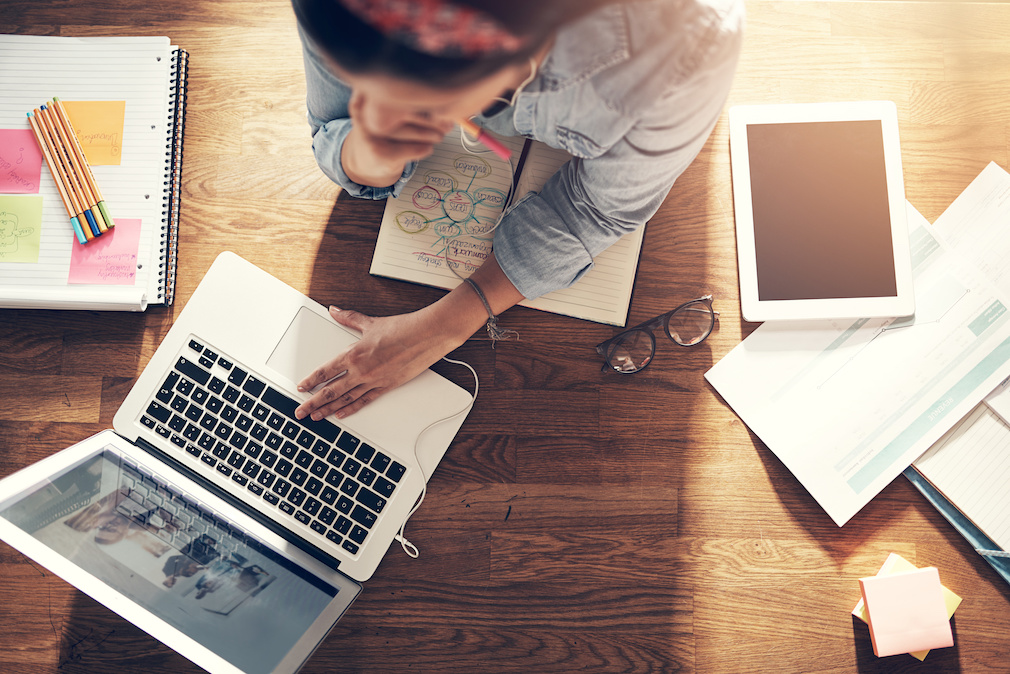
(581, 520)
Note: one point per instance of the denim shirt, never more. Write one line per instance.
(631, 91)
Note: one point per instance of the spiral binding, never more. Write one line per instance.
(168, 256)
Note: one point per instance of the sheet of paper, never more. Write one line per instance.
(906, 612)
(99, 128)
(848, 405)
(110, 259)
(20, 162)
(448, 209)
(20, 228)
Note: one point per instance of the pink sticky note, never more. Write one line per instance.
(906, 612)
(20, 162)
(110, 259)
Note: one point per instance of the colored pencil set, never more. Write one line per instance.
(71, 171)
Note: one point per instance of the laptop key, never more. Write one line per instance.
(383, 487)
(358, 534)
(192, 370)
(347, 442)
(318, 527)
(253, 387)
(395, 471)
(286, 507)
(159, 411)
(350, 546)
(343, 525)
(164, 394)
(363, 517)
(371, 500)
(237, 376)
(327, 515)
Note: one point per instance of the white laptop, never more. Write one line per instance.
(211, 515)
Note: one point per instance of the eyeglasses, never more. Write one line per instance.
(632, 350)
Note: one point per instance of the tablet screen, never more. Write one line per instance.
(822, 224)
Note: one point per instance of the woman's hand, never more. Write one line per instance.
(395, 349)
(392, 351)
(381, 141)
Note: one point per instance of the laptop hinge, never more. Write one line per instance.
(232, 500)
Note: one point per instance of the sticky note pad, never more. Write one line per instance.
(20, 228)
(20, 162)
(906, 612)
(99, 128)
(895, 563)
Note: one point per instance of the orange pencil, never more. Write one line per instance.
(74, 187)
(61, 175)
(89, 176)
(51, 163)
(86, 192)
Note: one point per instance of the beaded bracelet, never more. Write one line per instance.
(494, 332)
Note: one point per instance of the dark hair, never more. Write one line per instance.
(358, 47)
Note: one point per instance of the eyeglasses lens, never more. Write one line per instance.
(691, 324)
(632, 351)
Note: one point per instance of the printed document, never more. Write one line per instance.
(848, 405)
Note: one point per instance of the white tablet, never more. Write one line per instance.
(820, 211)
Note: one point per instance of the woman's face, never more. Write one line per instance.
(389, 104)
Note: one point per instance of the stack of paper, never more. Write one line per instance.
(896, 564)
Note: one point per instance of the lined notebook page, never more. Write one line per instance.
(35, 69)
(970, 466)
(451, 203)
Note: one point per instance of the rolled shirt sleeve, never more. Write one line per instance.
(327, 101)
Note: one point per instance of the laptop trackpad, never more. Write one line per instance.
(309, 341)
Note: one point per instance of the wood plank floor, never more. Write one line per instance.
(580, 521)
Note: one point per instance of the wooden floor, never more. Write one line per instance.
(581, 521)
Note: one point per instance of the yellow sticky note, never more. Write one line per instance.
(897, 564)
(99, 128)
(21, 227)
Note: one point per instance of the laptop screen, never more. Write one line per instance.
(167, 553)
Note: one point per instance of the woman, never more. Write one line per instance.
(630, 88)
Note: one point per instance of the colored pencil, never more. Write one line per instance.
(88, 174)
(76, 188)
(86, 192)
(62, 175)
(484, 137)
(51, 163)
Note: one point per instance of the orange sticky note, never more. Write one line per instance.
(99, 128)
(906, 612)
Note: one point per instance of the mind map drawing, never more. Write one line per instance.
(460, 204)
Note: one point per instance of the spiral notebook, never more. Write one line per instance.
(145, 78)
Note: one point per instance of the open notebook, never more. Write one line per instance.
(40, 265)
(450, 206)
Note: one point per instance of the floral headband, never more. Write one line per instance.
(436, 27)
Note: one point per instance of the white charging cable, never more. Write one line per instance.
(407, 546)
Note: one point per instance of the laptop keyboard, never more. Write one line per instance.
(318, 475)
